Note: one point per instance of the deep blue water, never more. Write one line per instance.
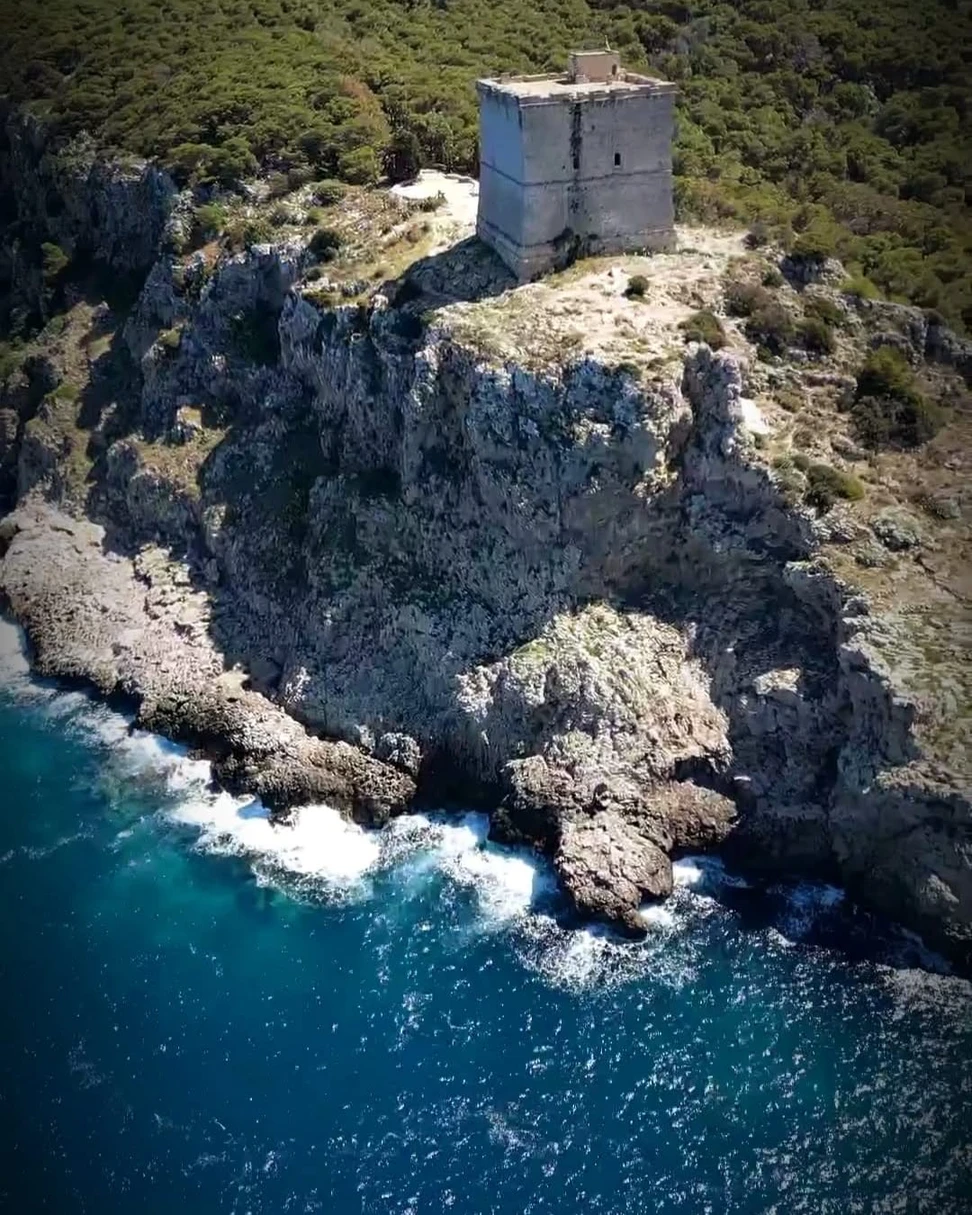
(201, 1013)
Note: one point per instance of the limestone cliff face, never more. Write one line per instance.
(112, 212)
(576, 592)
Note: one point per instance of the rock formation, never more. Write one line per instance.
(359, 556)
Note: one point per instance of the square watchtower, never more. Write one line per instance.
(578, 163)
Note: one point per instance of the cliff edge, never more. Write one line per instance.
(371, 525)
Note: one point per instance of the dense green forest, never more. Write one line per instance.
(839, 124)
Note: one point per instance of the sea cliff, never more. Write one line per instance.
(425, 537)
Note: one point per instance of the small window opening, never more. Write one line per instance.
(576, 163)
(617, 160)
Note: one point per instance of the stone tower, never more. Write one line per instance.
(574, 164)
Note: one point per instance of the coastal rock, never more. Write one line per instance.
(138, 630)
(608, 869)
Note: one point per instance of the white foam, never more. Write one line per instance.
(13, 653)
(315, 842)
(658, 915)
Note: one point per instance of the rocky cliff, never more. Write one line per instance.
(431, 544)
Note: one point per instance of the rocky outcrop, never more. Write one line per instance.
(112, 212)
(409, 568)
(137, 630)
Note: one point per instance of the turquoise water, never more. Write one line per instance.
(202, 1013)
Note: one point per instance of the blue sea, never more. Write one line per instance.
(201, 1012)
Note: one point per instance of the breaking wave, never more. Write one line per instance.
(319, 856)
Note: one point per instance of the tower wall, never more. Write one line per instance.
(581, 171)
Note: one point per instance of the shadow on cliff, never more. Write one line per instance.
(462, 273)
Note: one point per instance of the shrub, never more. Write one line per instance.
(817, 336)
(433, 202)
(823, 308)
(743, 299)
(801, 460)
(888, 408)
(209, 220)
(328, 192)
(814, 245)
(325, 243)
(54, 261)
(403, 156)
(757, 236)
(790, 399)
(771, 327)
(359, 166)
(281, 215)
(247, 232)
(637, 287)
(704, 326)
(170, 339)
(886, 373)
(825, 485)
(860, 287)
(772, 277)
(299, 175)
(278, 185)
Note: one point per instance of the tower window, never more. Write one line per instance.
(617, 160)
(576, 163)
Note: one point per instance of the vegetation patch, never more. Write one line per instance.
(889, 410)
(826, 485)
(744, 299)
(771, 329)
(817, 336)
(637, 287)
(704, 326)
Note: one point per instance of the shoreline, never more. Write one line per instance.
(804, 899)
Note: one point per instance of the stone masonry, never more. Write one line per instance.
(573, 164)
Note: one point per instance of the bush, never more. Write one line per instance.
(814, 245)
(888, 408)
(170, 339)
(299, 176)
(743, 299)
(825, 485)
(209, 220)
(325, 243)
(53, 260)
(433, 202)
(705, 327)
(861, 288)
(360, 166)
(278, 185)
(281, 215)
(328, 192)
(637, 287)
(772, 277)
(771, 328)
(244, 233)
(757, 236)
(823, 308)
(817, 336)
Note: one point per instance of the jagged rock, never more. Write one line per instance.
(897, 529)
(559, 585)
(608, 869)
(871, 556)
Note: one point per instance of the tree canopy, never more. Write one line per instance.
(836, 122)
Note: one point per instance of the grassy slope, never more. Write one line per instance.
(840, 119)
